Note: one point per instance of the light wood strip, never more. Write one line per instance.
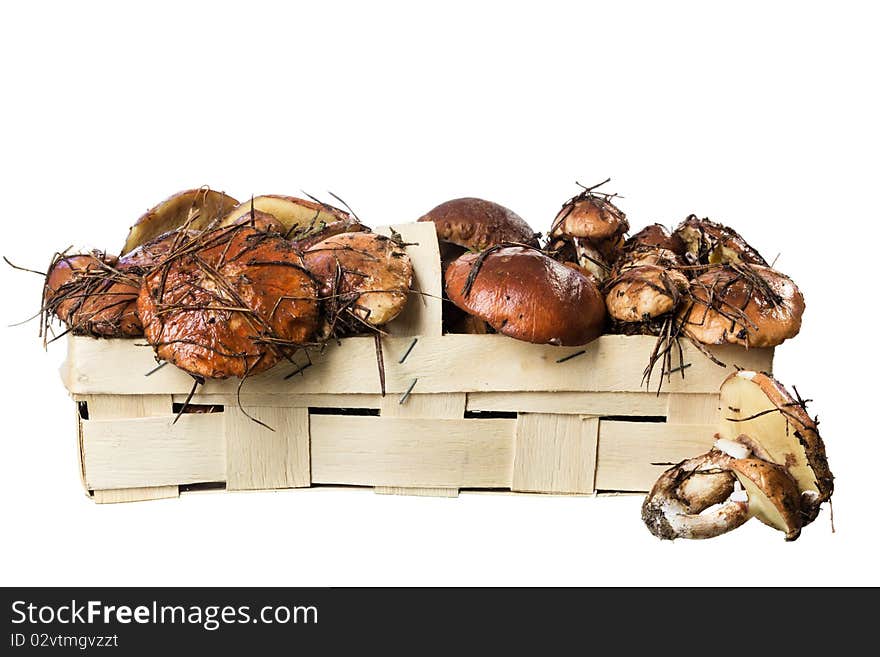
(449, 363)
(555, 453)
(259, 458)
(148, 452)
(440, 405)
(109, 407)
(423, 314)
(417, 492)
(119, 495)
(411, 452)
(632, 455)
(693, 408)
(575, 403)
(285, 400)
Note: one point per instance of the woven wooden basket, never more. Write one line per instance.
(461, 412)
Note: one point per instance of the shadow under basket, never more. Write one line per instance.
(460, 413)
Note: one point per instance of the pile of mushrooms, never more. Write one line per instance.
(768, 462)
(702, 281)
(226, 289)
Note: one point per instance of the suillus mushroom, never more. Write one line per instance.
(589, 230)
(363, 279)
(757, 410)
(710, 243)
(641, 294)
(748, 305)
(718, 491)
(769, 443)
(232, 302)
(590, 215)
(92, 296)
(194, 209)
(772, 494)
(647, 282)
(475, 224)
(695, 499)
(653, 237)
(523, 293)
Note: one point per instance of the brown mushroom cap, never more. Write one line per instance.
(195, 209)
(756, 406)
(643, 292)
(655, 236)
(361, 274)
(591, 216)
(710, 243)
(752, 306)
(232, 304)
(773, 496)
(476, 224)
(524, 294)
(92, 296)
(651, 257)
(146, 256)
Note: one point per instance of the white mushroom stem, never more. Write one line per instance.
(732, 448)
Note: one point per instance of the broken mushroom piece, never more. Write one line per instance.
(527, 295)
(757, 410)
(696, 498)
(772, 494)
(748, 305)
(194, 209)
(92, 296)
(709, 243)
(363, 278)
(232, 303)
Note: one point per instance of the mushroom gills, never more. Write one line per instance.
(773, 497)
(745, 409)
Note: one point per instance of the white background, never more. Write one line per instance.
(763, 115)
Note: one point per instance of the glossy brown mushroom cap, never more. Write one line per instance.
(752, 306)
(232, 307)
(476, 224)
(524, 294)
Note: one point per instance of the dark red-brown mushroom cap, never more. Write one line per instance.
(232, 304)
(476, 224)
(92, 296)
(526, 295)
